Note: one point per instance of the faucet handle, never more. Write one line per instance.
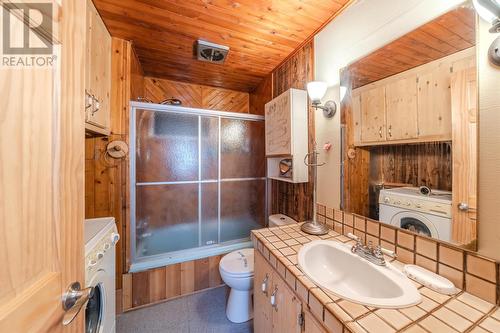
(377, 252)
(354, 237)
(388, 253)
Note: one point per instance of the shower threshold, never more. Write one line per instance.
(165, 259)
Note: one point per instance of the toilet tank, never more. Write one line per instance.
(278, 220)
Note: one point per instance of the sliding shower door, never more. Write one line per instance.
(197, 180)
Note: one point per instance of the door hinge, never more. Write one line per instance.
(300, 320)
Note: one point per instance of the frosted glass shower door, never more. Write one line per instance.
(197, 180)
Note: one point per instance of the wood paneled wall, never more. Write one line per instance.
(196, 96)
(294, 200)
(428, 164)
(106, 179)
(261, 95)
(163, 283)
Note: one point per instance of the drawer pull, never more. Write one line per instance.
(274, 304)
(264, 284)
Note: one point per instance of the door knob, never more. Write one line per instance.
(73, 300)
(463, 206)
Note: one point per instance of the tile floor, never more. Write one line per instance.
(199, 313)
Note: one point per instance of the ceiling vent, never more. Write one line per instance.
(211, 52)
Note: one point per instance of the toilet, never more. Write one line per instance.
(236, 270)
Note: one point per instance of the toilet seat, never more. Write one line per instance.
(238, 264)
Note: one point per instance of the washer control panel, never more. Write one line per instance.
(96, 255)
(424, 206)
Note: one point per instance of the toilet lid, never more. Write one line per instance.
(239, 262)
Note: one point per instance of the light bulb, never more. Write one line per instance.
(316, 90)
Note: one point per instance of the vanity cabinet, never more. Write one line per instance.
(286, 130)
(277, 308)
(98, 73)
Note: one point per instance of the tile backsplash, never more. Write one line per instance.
(468, 270)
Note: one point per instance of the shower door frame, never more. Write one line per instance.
(168, 258)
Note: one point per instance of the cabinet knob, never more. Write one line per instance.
(264, 284)
(274, 304)
(390, 131)
(463, 206)
(380, 132)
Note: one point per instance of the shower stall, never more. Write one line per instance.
(197, 182)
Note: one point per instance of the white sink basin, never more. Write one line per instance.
(332, 266)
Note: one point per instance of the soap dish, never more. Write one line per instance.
(430, 280)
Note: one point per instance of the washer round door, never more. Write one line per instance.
(94, 310)
(415, 222)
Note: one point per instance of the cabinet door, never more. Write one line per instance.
(99, 68)
(401, 109)
(278, 126)
(286, 309)
(263, 311)
(311, 325)
(373, 115)
(464, 182)
(434, 104)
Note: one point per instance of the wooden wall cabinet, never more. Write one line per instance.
(410, 107)
(98, 75)
(434, 103)
(286, 130)
(373, 111)
(401, 109)
(277, 309)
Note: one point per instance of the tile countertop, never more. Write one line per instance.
(462, 312)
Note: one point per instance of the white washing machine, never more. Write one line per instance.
(407, 208)
(101, 237)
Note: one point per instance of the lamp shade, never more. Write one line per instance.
(316, 90)
(488, 10)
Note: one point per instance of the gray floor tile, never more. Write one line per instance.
(199, 313)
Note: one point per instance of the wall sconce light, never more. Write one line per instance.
(316, 90)
(489, 10)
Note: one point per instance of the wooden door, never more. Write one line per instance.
(356, 118)
(41, 179)
(464, 182)
(401, 109)
(373, 115)
(311, 325)
(287, 308)
(262, 321)
(279, 125)
(434, 104)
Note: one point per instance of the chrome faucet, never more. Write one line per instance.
(373, 254)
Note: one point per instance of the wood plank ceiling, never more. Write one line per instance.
(447, 34)
(260, 34)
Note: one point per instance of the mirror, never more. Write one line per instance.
(409, 131)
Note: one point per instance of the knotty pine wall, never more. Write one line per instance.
(107, 183)
(294, 200)
(196, 96)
